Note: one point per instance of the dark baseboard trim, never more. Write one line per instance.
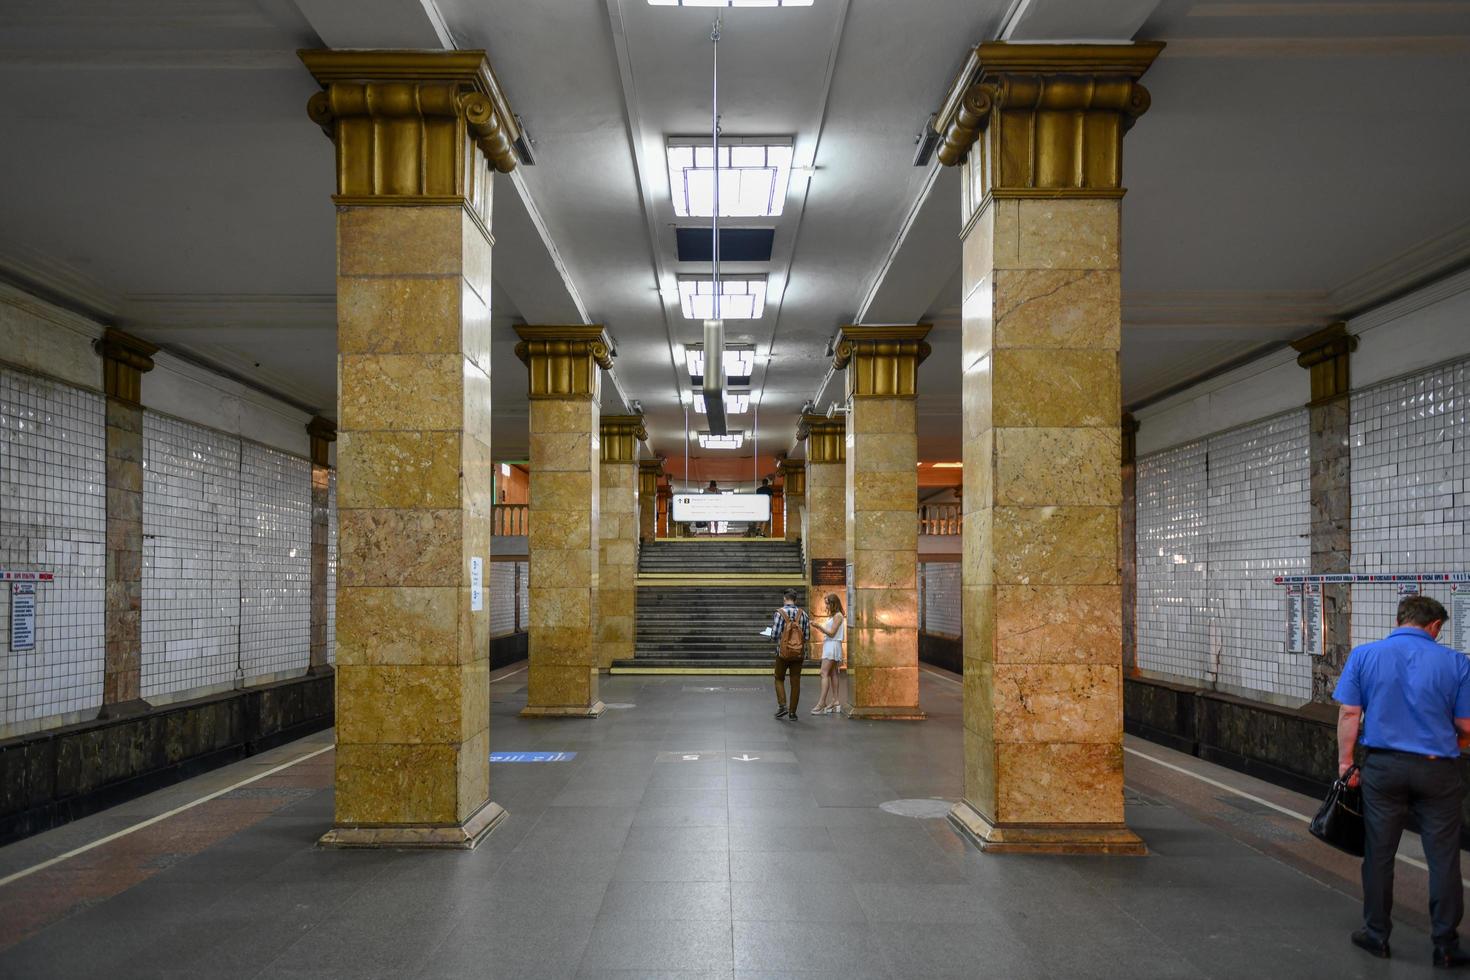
(53, 777)
(944, 652)
(506, 650)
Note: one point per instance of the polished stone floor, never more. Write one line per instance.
(693, 836)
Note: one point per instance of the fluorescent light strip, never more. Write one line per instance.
(740, 298)
(738, 363)
(734, 404)
(730, 3)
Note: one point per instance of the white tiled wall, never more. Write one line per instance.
(523, 578)
(1173, 555)
(53, 518)
(502, 597)
(1410, 497)
(275, 562)
(332, 567)
(940, 595)
(1218, 519)
(1259, 523)
(191, 556)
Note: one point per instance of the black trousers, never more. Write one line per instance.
(1395, 785)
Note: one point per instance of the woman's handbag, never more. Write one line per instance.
(1340, 820)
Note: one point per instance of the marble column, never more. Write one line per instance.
(565, 364)
(665, 509)
(882, 515)
(1128, 543)
(649, 471)
(826, 506)
(793, 495)
(618, 519)
(416, 134)
(1326, 354)
(1039, 129)
(125, 359)
(321, 433)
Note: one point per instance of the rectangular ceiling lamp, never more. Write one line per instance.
(739, 363)
(734, 404)
(730, 3)
(754, 174)
(733, 440)
(740, 298)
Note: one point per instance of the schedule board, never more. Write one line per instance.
(722, 507)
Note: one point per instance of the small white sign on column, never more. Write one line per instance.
(477, 584)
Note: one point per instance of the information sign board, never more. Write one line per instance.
(22, 616)
(1294, 610)
(1459, 618)
(829, 571)
(1314, 623)
(700, 507)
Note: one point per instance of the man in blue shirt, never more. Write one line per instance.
(1410, 698)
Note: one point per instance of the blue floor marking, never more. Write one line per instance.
(532, 756)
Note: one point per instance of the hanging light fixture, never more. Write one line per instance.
(714, 328)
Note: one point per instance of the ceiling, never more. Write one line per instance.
(1301, 161)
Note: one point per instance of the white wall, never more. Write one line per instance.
(48, 340)
(1268, 386)
(1426, 328)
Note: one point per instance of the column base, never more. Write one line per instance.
(1045, 838)
(124, 709)
(562, 711)
(320, 670)
(458, 837)
(887, 713)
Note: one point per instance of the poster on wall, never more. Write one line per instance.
(22, 616)
(1314, 623)
(1459, 618)
(829, 571)
(1294, 618)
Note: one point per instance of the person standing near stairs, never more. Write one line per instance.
(791, 628)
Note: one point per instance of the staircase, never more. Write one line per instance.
(702, 604)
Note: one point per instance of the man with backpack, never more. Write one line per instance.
(790, 628)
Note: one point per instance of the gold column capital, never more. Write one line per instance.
(793, 477)
(563, 359)
(882, 362)
(125, 359)
(620, 437)
(322, 432)
(826, 439)
(1045, 120)
(408, 124)
(649, 472)
(1326, 354)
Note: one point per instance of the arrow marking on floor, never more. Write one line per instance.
(747, 757)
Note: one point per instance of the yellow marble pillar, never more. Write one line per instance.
(618, 520)
(416, 134)
(793, 495)
(1039, 131)
(565, 364)
(882, 513)
(826, 506)
(649, 471)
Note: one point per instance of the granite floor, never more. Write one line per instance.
(693, 836)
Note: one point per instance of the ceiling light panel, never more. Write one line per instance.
(740, 298)
(738, 363)
(754, 175)
(733, 440)
(729, 3)
(734, 404)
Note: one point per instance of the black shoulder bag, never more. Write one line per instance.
(1340, 820)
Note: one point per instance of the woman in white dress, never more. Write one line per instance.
(834, 629)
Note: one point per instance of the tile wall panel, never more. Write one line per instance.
(1218, 520)
(53, 518)
(275, 562)
(523, 590)
(1173, 609)
(1410, 496)
(1258, 528)
(502, 597)
(940, 597)
(191, 556)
